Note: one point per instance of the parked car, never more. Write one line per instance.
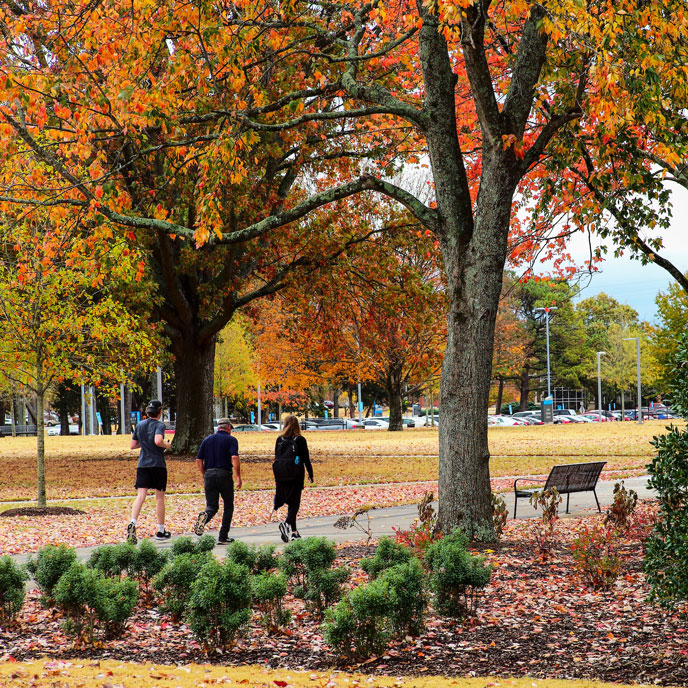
(57, 430)
(328, 404)
(406, 422)
(308, 425)
(504, 421)
(270, 427)
(375, 424)
(565, 412)
(247, 428)
(524, 414)
(596, 417)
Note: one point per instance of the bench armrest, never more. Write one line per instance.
(517, 479)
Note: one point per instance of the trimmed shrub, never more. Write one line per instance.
(308, 564)
(408, 600)
(173, 583)
(147, 563)
(89, 600)
(187, 545)
(219, 605)
(113, 560)
(268, 591)
(256, 559)
(389, 553)
(359, 626)
(456, 575)
(49, 564)
(12, 592)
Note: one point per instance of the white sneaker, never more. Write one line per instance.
(285, 531)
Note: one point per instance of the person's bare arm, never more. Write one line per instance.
(236, 464)
(160, 441)
(135, 444)
(201, 467)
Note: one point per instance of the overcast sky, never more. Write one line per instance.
(632, 283)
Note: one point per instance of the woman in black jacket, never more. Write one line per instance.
(292, 460)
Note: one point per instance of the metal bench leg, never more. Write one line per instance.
(515, 501)
(598, 501)
(568, 496)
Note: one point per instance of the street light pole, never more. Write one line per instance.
(599, 382)
(637, 370)
(547, 311)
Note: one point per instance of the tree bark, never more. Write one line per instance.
(194, 367)
(335, 401)
(40, 434)
(394, 383)
(525, 388)
(500, 393)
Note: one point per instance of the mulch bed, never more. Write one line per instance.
(42, 511)
(536, 618)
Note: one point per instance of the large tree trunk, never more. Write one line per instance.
(194, 368)
(393, 384)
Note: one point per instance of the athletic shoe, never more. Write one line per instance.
(285, 531)
(296, 535)
(225, 541)
(131, 534)
(165, 535)
(200, 523)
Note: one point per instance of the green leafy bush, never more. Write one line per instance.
(12, 592)
(408, 599)
(389, 553)
(187, 545)
(309, 554)
(256, 559)
(219, 604)
(173, 583)
(455, 575)
(308, 564)
(666, 550)
(147, 563)
(359, 626)
(90, 600)
(48, 565)
(268, 591)
(113, 560)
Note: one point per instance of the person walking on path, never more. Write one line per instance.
(218, 461)
(292, 460)
(151, 471)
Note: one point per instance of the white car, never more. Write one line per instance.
(273, 427)
(55, 430)
(503, 421)
(375, 424)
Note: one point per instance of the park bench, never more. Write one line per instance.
(22, 430)
(569, 478)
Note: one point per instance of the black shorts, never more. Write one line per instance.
(151, 478)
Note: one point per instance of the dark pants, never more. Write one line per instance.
(293, 505)
(219, 483)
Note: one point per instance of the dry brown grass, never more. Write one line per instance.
(102, 466)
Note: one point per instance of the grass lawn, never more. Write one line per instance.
(89, 674)
(103, 466)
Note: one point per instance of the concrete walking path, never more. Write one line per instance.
(384, 520)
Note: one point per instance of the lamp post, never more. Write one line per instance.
(599, 382)
(637, 370)
(547, 312)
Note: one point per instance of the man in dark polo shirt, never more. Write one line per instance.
(218, 459)
(151, 471)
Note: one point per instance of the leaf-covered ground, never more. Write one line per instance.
(82, 467)
(87, 674)
(536, 619)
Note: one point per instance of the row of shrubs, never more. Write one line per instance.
(215, 599)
